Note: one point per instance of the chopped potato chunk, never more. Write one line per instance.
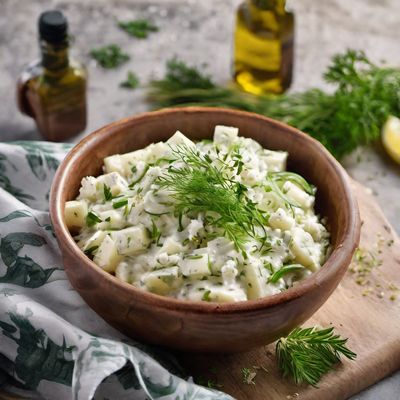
(107, 256)
(75, 213)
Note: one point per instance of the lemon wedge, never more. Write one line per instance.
(391, 137)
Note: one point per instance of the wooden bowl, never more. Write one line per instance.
(201, 326)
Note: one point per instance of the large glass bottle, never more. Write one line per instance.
(53, 89)
(264, 42)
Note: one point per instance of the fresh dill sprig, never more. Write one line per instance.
(139, 28)
(179, 76)
(186, 85)
(110, 56)
(351, 116)
(308, 353)
(199, 186)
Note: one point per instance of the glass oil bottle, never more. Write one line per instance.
(264, 44)
(53, 89)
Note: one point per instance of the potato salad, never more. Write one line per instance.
(217, 220)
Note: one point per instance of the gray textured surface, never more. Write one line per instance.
(201, 32)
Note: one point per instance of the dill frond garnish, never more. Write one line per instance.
(201, 187)
(308, 353)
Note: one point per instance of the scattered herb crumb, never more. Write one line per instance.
(139, 28)
(365, 269)
(131, 82)
(210, 383)
(110, 56)
(366, 292)
(248, 376)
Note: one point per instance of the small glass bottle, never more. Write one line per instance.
(264, 42)
(53, 90)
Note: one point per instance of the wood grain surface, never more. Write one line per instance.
(368, 314)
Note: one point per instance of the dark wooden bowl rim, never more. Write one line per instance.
(335, 263)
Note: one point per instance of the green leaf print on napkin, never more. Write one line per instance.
(40, 158)
(22, 271)
(7, 367)
(5, 182)
(38, 163)
(38, 357)
(15, 214)
(33, 352)
(26, 213)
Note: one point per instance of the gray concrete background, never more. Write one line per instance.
(201, 32)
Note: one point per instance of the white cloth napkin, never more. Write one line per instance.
(52, 345)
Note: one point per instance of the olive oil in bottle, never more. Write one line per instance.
(264, 41)
(53, 89)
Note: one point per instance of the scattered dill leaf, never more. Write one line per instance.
(131, 82)
(306, 354)
(120, 203)
(155, 233)
(110, 56)
(133, 183)
(286, 269)
(139, 28)
(351, 116)
(92, 219)
(89, 252)
(206, 296)
(107, 193)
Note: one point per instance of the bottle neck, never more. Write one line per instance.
(275, 6)
(266, 14)
(55, 59)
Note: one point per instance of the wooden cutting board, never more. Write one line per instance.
(367, 312)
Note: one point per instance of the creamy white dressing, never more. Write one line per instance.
(128, 224)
